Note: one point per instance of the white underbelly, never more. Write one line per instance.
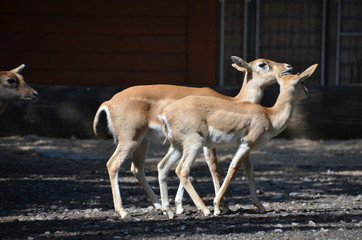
(219, 139)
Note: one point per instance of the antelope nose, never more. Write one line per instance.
(35, 94)
(289, 67)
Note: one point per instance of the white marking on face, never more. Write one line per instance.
(262, 66)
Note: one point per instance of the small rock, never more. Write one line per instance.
(312, 224)
(294, 224)
(293, 194)
(279, 225)
(278, 230)
(183, 227)
(330, 172)
(276, 197)
(198, 229)
(342, 222)
(88, 211)
(260, 233)
(358, 198)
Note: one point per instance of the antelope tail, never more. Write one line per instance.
(104, 108)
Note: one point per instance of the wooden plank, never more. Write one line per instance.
(202, 48)
(91, 43)
(103, 78)
(112, 25)
(95, 7)
(92, 61)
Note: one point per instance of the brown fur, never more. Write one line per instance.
(197, 121)
(13, 88)
(130, 114)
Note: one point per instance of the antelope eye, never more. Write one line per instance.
(11, 80)
(262, 64)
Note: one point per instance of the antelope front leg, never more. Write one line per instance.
(211, 160)
(178, 199)
(240, 155)
(249, 172)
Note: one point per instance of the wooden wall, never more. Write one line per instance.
(110, 43)
(351, 43)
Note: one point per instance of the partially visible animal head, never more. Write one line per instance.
(295, 81)
(260, 71)
(13, 88)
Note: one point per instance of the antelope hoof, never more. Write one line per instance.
(260, 207)
(122, 213)
(217, 210)
(179, 209)
(206, 212)
(157, 206)
(168, 212)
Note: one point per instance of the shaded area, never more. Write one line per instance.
(55, 196)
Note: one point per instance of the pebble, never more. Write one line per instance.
(88, 211)
(275, 197)
(312, 224)
(198, 229)
(278, 230)
(293, 194)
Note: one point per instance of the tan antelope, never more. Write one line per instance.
(132, 119)
(13, 88)
(195, 122)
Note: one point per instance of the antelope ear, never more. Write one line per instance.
(240, 64)
(18, 69)
(277, 74)
(307, 73)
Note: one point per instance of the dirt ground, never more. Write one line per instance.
(59, 189)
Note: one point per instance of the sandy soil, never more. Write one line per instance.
(59, 189)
